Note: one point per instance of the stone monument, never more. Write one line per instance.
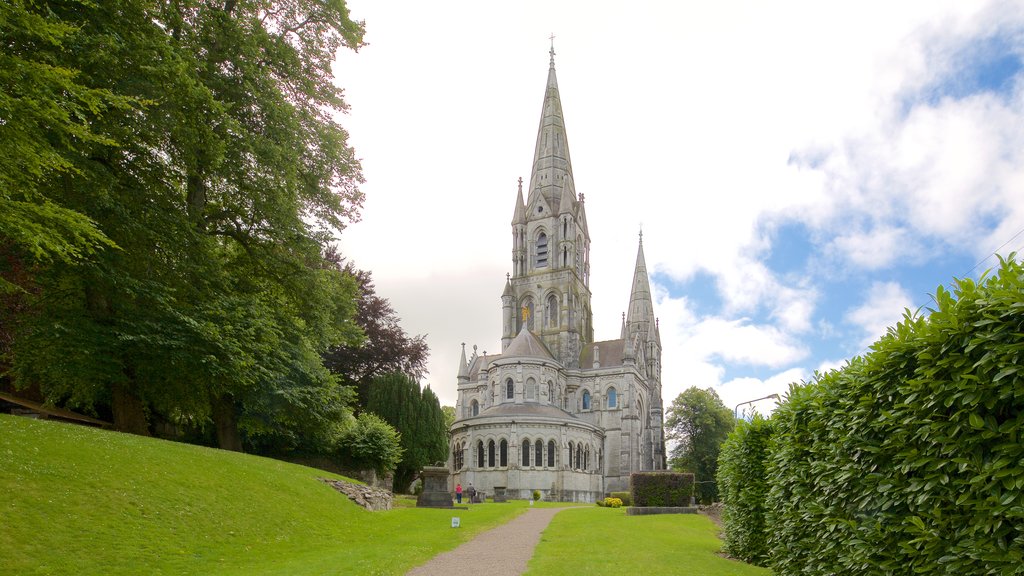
(435, 488)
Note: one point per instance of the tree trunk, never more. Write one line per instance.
(228, 436)
(129, 411)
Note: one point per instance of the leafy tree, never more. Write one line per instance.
(370, 443)
(385, 347)
(45, 109)
(416, 414)
(699, 423)
(449, 416)
(221, 179)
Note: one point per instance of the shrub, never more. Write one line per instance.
(661, 488)
(612, 502)
(743, 485)
(908, 460)
(536, 495)
(626, 497)
(370, 443)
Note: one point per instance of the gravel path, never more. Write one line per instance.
(501, 551)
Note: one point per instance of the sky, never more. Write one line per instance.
(803, 172)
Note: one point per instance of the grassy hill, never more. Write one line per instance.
(84, 501)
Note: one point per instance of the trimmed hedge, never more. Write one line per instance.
(910, 460)
(743, 485)
(626, 497)
(661, 488)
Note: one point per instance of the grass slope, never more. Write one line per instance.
(85, 501)
(604, 541)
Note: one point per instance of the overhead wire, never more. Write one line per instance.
(996, 251)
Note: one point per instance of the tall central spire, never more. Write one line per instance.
(552, 168)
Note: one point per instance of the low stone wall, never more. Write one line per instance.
(645, 510)
(372, 499)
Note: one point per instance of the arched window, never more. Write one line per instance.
(570, 455)
(490, 454)
(526, 452)
(538, 453)
(510, 389)
(504, 453)
(542, 250)
(531, 389)
(551, 311)
(613, 400)
(551, 393)
(565, 257)
(480, 454)
(565, 227)
(551, 453)
(586, 458)
(586, 400)
(476, 408)
(579, 456)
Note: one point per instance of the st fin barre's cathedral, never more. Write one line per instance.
(557, 411)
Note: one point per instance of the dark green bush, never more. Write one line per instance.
(661, 488)
(626, 497)
(743, 486)
(910, 460)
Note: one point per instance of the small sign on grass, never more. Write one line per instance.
(455, 521)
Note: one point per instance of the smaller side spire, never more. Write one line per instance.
(463, 366)
(622, 333)
(519, 217)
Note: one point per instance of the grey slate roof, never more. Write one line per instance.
(609, 352)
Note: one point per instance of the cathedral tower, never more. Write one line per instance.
(549, 287)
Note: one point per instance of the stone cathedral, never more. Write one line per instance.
(557, 411)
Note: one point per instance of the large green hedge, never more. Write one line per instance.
(743, 486)
(910, 460)
(661, 488)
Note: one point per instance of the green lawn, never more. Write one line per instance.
(598, 541)
(84, 501)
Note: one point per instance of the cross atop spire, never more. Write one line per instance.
(552, 52)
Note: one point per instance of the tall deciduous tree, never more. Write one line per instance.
(221, 186)
(699, 423)
(416, 414)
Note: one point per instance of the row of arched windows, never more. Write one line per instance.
(534, 453)
(611, 395)
(531, 394)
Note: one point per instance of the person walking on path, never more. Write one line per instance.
(458, 492)
(497, 552)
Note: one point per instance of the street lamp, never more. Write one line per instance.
(736, 411)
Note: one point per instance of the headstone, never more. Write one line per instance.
(499, 494)
(435, 488)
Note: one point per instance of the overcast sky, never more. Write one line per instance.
(802, 171)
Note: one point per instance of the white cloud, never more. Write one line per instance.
(883, 307)
(689, 132)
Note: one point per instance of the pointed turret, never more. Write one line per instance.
(641, 306)
(519, 216)
(463, 367)
(622, 333)
(552, 168)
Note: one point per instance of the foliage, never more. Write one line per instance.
(661, 488)
(610, 503)
(46, 109)
(626, 497)
(699, 423)
(385, 347)
(449, 416)
(743, 485)
(908, 460)
(370, 443)
(85, 501)
(536, 495)
(416, 414)
(199, 138)
(656, 544)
